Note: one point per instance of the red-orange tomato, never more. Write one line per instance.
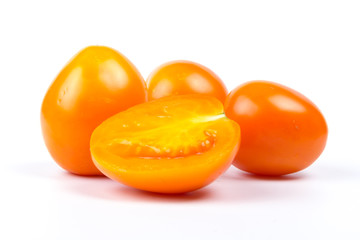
(282, 131)
(97, 83)
(184, 77)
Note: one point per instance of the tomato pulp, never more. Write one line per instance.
(282, 131)
(171, 145)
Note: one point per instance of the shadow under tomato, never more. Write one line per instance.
(234, 187)
(159, 197)
(100, 186)
(237, 187)
(290, 177)
(84, 176)
(104, 188)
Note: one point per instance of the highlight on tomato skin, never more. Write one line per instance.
(184, 77)
(97, 83)
(282, 131)
(174, 144)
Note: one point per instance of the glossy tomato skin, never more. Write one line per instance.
(97, 83)
(184, 77)
(282, 131)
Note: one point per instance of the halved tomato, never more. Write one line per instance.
(171, 145)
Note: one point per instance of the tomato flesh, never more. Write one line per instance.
(171, 145)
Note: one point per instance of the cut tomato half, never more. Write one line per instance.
(171, 145)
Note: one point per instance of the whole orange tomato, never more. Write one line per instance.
(282, 131)
(184, 77)
(97, 83)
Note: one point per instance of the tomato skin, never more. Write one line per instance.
(175, 144)
(97, 83)
(184, 77)
(282, 131)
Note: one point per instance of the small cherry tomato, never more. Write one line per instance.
(184, 77)
(171, 145)
(97, 83)
(282, 131)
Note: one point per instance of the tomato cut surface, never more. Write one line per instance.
(171, 145)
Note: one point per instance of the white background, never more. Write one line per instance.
(311, 46)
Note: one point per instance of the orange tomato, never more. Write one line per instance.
(282, 131)
(184, 77)
(97, 83)
(171, 145)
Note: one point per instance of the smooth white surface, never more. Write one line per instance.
(311, 46)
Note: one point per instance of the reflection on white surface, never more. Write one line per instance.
(163, 88)
(198, 83)
(244, 106)
(286, 104)
(113, 75)
(70, 89)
